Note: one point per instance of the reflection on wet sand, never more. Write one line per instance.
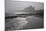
(21, 23)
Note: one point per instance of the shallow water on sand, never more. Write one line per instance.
(27, 23)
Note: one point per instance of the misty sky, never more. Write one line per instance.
(13, 6)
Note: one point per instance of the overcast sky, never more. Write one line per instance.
(12, 6)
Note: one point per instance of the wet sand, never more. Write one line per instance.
(33, 22)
